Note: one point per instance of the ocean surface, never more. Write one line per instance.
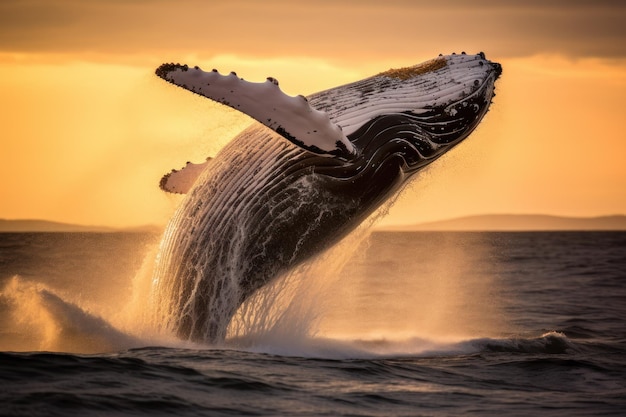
(395, 324)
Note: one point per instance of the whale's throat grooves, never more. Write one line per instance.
(244, 230)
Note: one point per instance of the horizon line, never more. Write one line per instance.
(447, 224)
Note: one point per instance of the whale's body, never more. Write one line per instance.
(265, 204)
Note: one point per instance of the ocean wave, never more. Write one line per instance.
(51, 323)
(318, 347)
(44, 321)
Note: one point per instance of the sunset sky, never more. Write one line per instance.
(88, 129)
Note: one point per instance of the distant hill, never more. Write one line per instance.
(488, 222)
(519, 222)
(48, 226)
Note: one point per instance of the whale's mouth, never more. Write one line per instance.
(447, 126)
(452, 123)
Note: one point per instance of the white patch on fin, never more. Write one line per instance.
(181, 181)
(291, 117)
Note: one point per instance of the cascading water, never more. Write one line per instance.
(209, 264)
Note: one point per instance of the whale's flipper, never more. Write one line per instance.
(291, 117)
(181, 181)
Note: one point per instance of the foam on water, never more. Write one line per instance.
(416, 347)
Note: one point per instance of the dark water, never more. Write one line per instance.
(432, 324)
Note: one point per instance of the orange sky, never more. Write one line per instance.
(88, 130)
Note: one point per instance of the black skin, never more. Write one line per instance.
(369, 186)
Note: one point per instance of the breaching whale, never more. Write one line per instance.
(302, 178)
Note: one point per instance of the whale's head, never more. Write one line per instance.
(418, 112)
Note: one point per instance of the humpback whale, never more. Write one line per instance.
(303, 177)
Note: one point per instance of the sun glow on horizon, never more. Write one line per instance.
(88, 129)
(88, 132)
(87, 142)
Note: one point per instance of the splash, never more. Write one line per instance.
(45, 321)
(291, 309)
(370, 295)
(391, 295)
(363, 298)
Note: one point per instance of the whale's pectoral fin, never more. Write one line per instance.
(181, 181)
(291, 117)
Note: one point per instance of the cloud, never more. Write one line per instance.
(337, 29)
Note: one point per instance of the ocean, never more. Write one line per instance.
(392, 324)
